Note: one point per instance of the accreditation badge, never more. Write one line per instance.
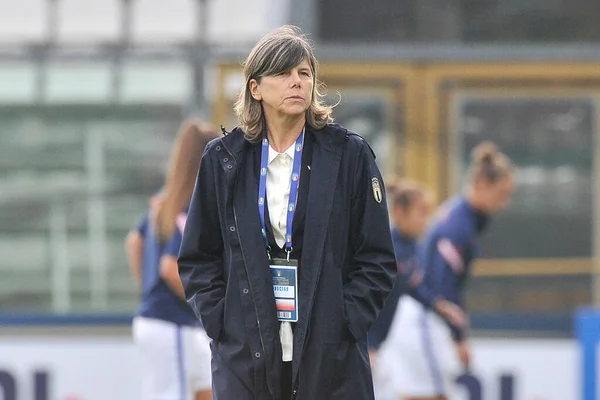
(285, 288)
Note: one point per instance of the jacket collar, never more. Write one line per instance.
(329, 138)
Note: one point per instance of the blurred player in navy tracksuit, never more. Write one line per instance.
(410, 209)
(424, 352)
(173, 344)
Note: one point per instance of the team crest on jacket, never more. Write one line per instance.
(377, 194)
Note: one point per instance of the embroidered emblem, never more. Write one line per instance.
(377, 194)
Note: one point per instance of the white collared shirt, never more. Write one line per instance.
(279, 178)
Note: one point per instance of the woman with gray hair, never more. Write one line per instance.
(287, 257)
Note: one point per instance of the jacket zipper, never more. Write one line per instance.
(237, 230)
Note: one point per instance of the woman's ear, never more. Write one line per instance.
(255, 90)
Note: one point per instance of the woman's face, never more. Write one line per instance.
(286, 94)
(412, 221)
(494, 196)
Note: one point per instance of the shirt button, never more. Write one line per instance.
(232, 228)
(257, 355)
(218, 148)
(225, 159)
(245, 291)
(229, 166)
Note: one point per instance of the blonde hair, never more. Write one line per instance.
(276, 52)
(184, 162)
(489, 164)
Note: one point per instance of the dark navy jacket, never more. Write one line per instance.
(449, 249)
(345, 270)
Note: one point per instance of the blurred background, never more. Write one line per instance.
(93, 91)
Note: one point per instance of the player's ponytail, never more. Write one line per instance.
(488, 164)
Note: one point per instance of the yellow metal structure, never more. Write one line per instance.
(424, 93)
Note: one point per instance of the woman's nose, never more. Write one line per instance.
(295, 78)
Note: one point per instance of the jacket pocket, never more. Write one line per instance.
(214, 331)
(337, 373)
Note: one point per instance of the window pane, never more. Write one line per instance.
(350, 20)
(17, 82)
(163, 21)
(90, 162)
(551, 143)
(366, 114)
(533, 21)
(157, 82)
(79, 82)
(235, 21)
(89, 20)
(459, 21)
(22, 21)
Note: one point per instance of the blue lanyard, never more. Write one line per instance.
(295, 181)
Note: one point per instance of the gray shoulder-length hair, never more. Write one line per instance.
(278, 51)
